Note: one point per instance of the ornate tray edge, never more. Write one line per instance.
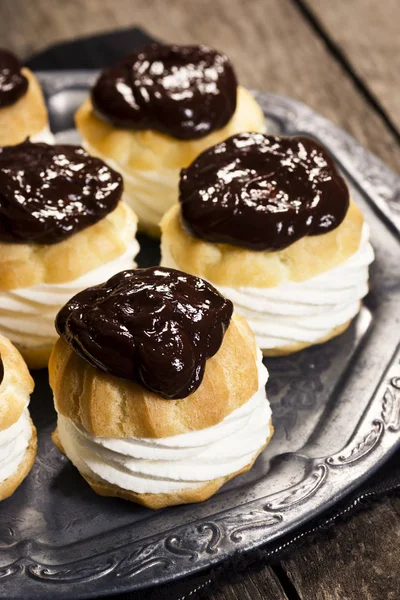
(196, 546)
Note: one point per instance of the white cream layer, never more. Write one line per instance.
(307, 311)
(27, 315)
(189, 460)
(14, 442)
(43, 136)
(149, 193)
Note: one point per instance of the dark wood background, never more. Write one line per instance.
(342, 58)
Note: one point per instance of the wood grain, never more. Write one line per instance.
(274, 47)
(270, 43)
(357, 563)
(367, 32)
(263, 585)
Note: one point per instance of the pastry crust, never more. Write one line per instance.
(156, 501)
(108, 406)
(9, 485)
(26, 265)
(151, 150)
(227, 265)
(16, 387)
(28, 116)
(292, 348)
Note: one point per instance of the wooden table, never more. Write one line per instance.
(343, 59)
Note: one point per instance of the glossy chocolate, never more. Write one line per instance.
(155, 326)
(184, 91)
(1, 370)
(262, 192)
(13, 84)
(48, 193)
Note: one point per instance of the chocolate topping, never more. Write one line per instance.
(48, 193)
(183, 91)
(1, 370)
(262, 192)
(155, 326)
(13, 84)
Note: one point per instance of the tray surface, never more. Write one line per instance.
(336, 411)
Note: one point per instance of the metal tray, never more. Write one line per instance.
(336, 411)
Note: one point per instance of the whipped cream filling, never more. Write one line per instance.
(306, 311)
(14, 442)
(149, 193)
(43, 136)
(27, 314)
(188, 460)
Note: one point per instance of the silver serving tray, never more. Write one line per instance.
(336, 410)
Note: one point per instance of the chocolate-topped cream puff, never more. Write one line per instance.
(18, 442)
(269, 221)
(63, 227)
(154, 112)
(159, 389)
(23, 112)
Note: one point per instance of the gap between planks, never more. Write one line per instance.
(346, 64)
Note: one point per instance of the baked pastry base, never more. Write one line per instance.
(16, 386)
(26, 265)
(227, 265)
(156, 501)
(149, 149)
(9, 485)
(26, 117)
(286, 350)
(108, 406)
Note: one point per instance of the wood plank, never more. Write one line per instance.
(367, 33)
(263, 585)
(360, 562)
(271, 44)
(275, 49)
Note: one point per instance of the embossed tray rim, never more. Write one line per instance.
(201, 542)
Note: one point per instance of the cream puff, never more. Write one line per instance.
(23, 112)
(159, 389)
(269, 221)
(18, 441)
(154, 112)
(63, 227)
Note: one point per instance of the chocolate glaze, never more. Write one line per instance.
(1, 370)
(48, 193)
(183, 91)
(13, 84)
(155, 326)
(262, 192)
